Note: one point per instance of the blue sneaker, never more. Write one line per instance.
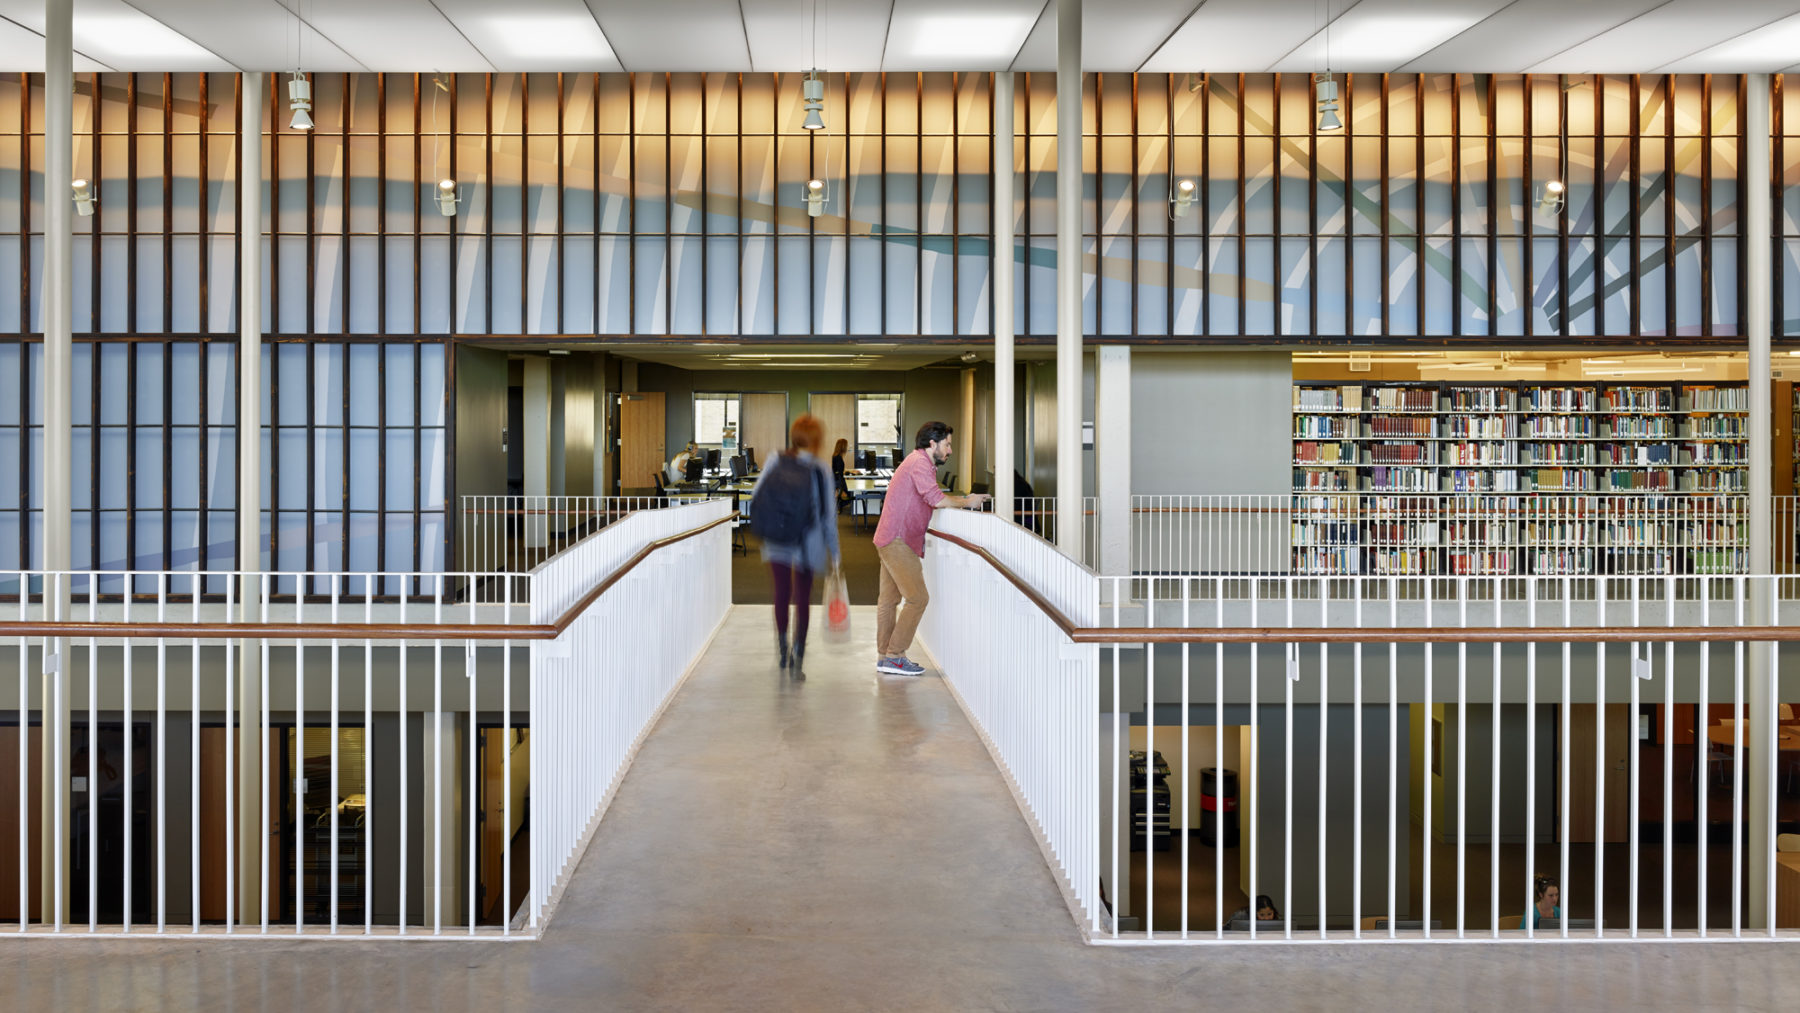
(898, 665)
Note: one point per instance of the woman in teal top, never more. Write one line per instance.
(1546, 893)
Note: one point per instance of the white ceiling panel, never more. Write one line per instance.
(1111, 42)
(1236, 36)
(22, 49)
(952, 35)
(1515, 35)
(247, 35)
(850, 34)
(528, 35)
(1665, 35)
(675, 34)
(1379, 35)
(1771, 48)
(394, 35)
(117, 36)
(1039, 50)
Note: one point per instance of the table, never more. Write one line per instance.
(866, 494)
(1788, 741)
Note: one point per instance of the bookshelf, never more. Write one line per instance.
(1422, 478)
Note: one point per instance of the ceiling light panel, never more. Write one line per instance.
(1665, 35)
(1515, 35)
(1384, 35)
(256, 34)
(851, 34)
(533, 35)
(22, 49)
(1235, 36)
(1770, 49)
(118, 36)
(944, 35)
(396, 35)
(678, 35)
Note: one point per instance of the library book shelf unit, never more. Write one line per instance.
(1417, 479)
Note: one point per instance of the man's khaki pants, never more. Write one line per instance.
(902, 576)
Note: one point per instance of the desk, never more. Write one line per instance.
(1787, 890)
(866, 494)
(1788, 741)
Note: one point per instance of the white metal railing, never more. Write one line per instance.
(1028, 690)
(512, 534)
(1037, 514)
(1370, 760)
(327, 763)
(1402, 534)
(601, 686)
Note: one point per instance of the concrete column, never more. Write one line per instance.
(1068, 277)
(602, 433)
(535, 441)
(965, 424)
(1758, 226)
(441, 776)
(559, 433)
(1005, 439)
(58, 303)
(1112, 457)
(252, 829)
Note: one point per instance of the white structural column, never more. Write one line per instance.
(1112, 457)
(1005, 439)
(251, 832)
(1069, 536)
(59, 142)
(1758, 228)
(535, 442)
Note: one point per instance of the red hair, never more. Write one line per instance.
(806, 433)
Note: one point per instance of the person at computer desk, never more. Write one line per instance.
(1265, 911)
(678, 463)
(1546, 894)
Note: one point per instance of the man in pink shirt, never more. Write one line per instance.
(912, 494)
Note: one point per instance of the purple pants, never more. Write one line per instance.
(792, 585)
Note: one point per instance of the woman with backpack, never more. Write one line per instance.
(792, 511)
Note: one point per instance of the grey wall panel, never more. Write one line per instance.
(1211, 422)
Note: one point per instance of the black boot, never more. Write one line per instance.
(782, 644)
(799, 652)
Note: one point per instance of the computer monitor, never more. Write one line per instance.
(1555, 924)
(865, 459)
(750, 459)
(712, 459)
(1243, 925)
(695, 467)
(1408, 924)
(737, 467)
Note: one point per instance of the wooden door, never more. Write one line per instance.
(1617, 780)
(214, 755)
(837, 412)
(764, 424)
(9, 819)
(640, 441)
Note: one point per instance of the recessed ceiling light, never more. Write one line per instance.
(969, 36)
(546, 38)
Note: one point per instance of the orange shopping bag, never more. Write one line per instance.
(837, 608)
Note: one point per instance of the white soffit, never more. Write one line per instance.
(972, 35)
(393, 35)
(851, 34)
(684, 35)
(1668, 34)
(1526, 33)
(247, 35)
(22, 50)
(1235, 36)
(1378, 35)
(533, 35)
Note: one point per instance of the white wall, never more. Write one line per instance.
(1211, 422)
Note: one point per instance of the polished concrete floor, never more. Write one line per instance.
(843, 842)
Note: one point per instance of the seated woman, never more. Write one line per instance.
(1265, 911)
(1546, 895)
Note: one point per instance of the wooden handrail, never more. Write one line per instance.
(350, 631)
(1376, 635)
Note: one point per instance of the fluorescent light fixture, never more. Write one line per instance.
(1380, 39)
(138, 36)
(447, 198)
(545, 39)
(1182, 198)
(84, 197)
(300, 101)
(1771, 47)
(969, 36)
(1795, 353)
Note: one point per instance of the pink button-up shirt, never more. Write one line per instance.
(911, 496)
